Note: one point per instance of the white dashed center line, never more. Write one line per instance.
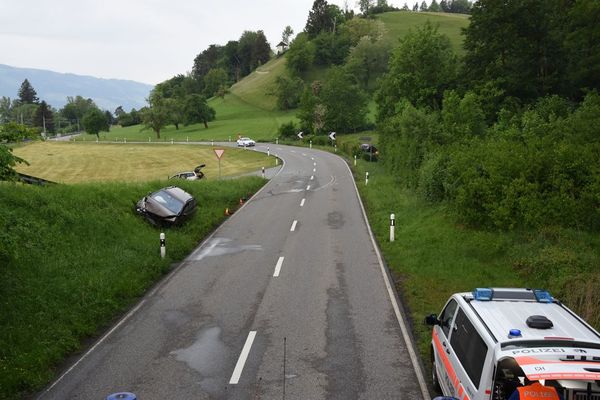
(239, 367)
(312, 177)
(308, 187)
(302, 202)
(314, 170)
(293, 228)
(278, 267)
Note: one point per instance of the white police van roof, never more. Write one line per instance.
(509, 309)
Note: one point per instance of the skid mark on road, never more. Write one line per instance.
(220, 246)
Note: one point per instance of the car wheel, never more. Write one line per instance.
(434, 375)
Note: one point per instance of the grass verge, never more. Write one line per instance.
(74, 257)
(433, 256)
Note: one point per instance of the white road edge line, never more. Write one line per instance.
(278, 267)
(293, 228)
(391, 294)
(302, 202)
(239, 367)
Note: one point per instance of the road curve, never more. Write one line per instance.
(285, 300)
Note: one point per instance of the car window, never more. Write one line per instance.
(446, 317)
(469, 347)
(168, 201)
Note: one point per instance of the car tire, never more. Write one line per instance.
(434, 376)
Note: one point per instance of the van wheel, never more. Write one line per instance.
(434, 376)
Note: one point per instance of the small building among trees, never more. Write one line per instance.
(282, 47)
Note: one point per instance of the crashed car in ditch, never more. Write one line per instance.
(195, 175)
(167, 206)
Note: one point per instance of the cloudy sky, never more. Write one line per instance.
(143, 40)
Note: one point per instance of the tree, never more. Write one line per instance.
(76, 108)
(253, 50)
(287, 34)
(405, 7)
(416, 7)
(423, 6)
(368, 60)
(27, 94)
(206, 60)
(444, 6)
(344, 101)
(94, 121)
(319, 19)
(44, 117)
(197, 110)
(213, 80)
(582, 46)
(420, 69)
(156, 116)
(174, 108)
(460, 6)
(365, 6)
(288, 91)
(5, 109)
(7, 161)
(434, 6)
(300, 55)
(110, 119)
(516, 45)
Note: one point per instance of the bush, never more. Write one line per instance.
(288, 130)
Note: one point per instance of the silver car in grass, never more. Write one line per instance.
(167, 206)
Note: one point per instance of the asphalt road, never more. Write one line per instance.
(286, 299)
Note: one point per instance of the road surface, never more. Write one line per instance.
(287, 299)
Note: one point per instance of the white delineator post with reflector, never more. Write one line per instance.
(392, 227)
(219, 154)
(163, 248)
(366, 178)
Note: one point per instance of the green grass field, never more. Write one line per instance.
(255, 88)
(103, 162)
(399, 23)
(235, 116)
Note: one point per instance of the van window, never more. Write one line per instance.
(446, 317)
(469, 347)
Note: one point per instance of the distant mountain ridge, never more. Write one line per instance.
(54, 87)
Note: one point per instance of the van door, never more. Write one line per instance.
(441, 345)
(468, 352)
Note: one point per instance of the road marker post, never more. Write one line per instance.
(310, 144)
(276, 140)
(171, 140)
(355, 160)
(335, 148)
(392, 227)
(263, 172)
(163, 248)
(125, 140)
(276, 160)
(366, 178)
(148, 139)
(268, 151)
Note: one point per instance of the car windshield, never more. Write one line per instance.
(168, 201)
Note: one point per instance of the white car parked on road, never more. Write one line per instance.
(245, 142)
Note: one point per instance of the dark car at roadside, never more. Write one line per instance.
(167, 207)
(369, 152)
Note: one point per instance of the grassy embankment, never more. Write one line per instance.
(74, 256)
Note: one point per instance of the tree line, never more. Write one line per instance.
(509, 135)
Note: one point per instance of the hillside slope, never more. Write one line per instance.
(399, 23)
(254, 89)
(54, 87)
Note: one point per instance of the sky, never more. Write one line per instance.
(147, 41)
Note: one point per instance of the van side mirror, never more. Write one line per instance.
(432, 319)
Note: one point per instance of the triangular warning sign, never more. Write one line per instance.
(219, 153)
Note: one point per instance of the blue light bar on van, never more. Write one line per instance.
(483, 294)
(543, 296)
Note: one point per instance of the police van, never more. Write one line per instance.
(487, 343)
